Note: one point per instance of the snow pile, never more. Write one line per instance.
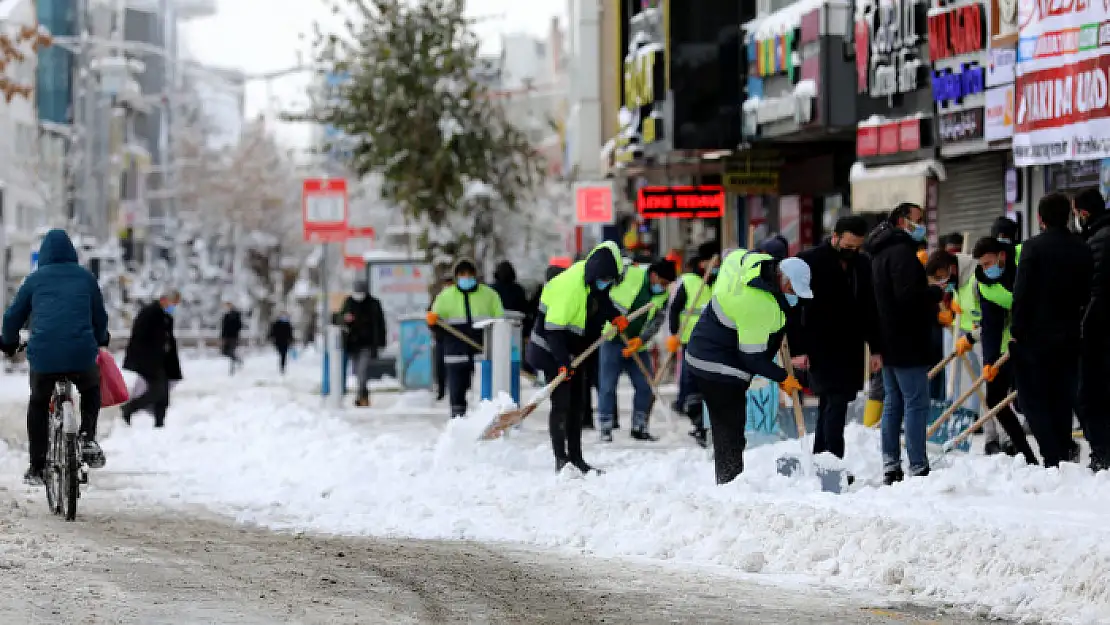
(986, 534)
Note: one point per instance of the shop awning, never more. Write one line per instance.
(880, 189)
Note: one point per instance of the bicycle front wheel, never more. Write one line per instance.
(70, 478)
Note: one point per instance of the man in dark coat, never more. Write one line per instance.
(1051, 293)
(231, 326)
(152, 354)
(63, 303)
(907, 307)
(834, 326)
(364, 334)
(281, 333)
(512, 294)
(1094, 365)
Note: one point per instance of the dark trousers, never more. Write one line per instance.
(228, 349)
(996, 392)
(689, 395)
(1046, 385)
(459, 376)
(728, 414)
(1094, 401)
(156, 399)
(441, 370)
(283, 357)
(567, 409)
(832, 412)
(38, 408)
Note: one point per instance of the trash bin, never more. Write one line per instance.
(499, 367)
(415, 359)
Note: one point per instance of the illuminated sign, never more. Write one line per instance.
(949, 86)
(886, 41)
(771, 57)
(683, 202)
(962, 30)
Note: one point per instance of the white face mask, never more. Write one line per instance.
(358, 297)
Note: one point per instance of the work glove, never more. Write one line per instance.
(964, 345)
(634, 345)
(432, 318)
(567, 373)
(790, 385)
(954, 306)
(620, 322)
(990, 372)
(673, 343)
(9, 350)
(945, 318)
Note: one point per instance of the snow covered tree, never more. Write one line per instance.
(413, 111)
(15, 48)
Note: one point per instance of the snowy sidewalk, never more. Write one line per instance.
(986, 535)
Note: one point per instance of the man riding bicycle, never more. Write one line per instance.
(68, 325)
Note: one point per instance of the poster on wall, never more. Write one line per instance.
(402, 288)
(1062, 106)
(790, 221)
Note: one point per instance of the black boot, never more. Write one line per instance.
(701, 436)
(992, 448)
(892, 477)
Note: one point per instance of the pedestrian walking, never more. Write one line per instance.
(1094, 365)
(637, 287)
(573, 308)
(737, 338)
(835, 327)
(1051, 293)
(461, 306)
(152, 354)
(281, 335)
(231, 326)
(363, 336)
(908, 314)
(686, 307)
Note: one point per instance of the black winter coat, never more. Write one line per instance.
(833, 327)
(906, 304)
(152, 348)
(231, 326)
(281, 333)
(367, 329)
(1096, 321)
(1051, 292)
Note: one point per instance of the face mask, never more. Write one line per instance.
(171, 308)
(358, 297)
(1005, 240)
(714, 271)
(918, 232)
(847, 253)
(467, 283)
(950, 288)
(791, 299)
(602, 284)
(657, 288)
(993, 273)
(284, 318)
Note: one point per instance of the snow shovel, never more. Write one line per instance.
(990, 414)
(459, 335)
(962, 398)
(832, 480)
(651, 382)
(686, 317)
(942, 364)
(513, 416)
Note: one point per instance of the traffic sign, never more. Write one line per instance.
(593, 202)
(324, 208)
(358, 242)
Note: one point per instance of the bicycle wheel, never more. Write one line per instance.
(51, 475)
(70, 469)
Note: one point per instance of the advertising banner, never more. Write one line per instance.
(1062, 82)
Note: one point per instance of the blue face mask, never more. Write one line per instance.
(993, 273)
(1004, 240)
(171, 308)
(467, 283)
(918, 233)
(951, 288)
(714, 271)
(602, 284)
(657, 289)
(791, 299)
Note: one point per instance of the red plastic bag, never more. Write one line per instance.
(113, 390)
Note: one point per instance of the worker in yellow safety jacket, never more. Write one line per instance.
(687, 304)
(737, 338)
(460, 306)
(574, 307)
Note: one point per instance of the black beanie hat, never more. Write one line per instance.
(664, 269)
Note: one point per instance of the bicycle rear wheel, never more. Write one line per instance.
(52, 472)
(70, 477)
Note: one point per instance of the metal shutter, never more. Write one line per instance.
(973, 195)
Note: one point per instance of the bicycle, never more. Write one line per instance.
(65, 469)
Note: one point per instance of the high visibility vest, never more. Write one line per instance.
(967, 296)
(693, 309)
(753, 312)
(450, 305)
(563, 300)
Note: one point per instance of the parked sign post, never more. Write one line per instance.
(324, 208)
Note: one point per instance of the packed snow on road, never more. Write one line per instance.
(988, 535)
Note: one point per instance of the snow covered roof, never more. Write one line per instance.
(786, 18)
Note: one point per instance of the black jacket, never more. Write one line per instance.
(367, 329)
(905, 303)
(1051, 292)
(281, 333)
(231, 325)
(833, 327)
(563, 345)
(512, 294)
(152, 347)
(1096, 321)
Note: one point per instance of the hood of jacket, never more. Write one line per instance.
(886, 236)
(505, 272)
(603, 263)
(463, 263)
(57, 249)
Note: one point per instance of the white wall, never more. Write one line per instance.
(584, 130)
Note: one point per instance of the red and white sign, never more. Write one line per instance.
(1063, 83)
(593, 203)
(358, 242)
(324, 209)
(957, 31)
(867, 141)
(889, 137)
(909, 135)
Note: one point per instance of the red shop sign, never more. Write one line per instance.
(1061, 96)
(867, 141)
(958, 31)
(889, 140)
(682, 202)
(909, 135)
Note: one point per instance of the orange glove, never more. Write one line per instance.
(432, 318)
(954, 306)
(790, 385)
(923, 256)
(990, 372)
(634, 345)
(673, 343)
(566, 373)
(945, 317)
(963, 345)
(620, 323)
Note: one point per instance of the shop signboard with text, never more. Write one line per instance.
(682, 202)
(1063, 82)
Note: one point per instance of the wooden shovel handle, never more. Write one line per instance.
(795, 398)
(942, 364)
(992, 413)
(459, 335)
(962, 398)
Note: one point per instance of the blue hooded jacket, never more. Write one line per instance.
(63, 301)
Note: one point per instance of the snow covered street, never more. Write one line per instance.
(652, 538)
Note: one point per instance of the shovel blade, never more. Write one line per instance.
(507, 419)
(833, 480)
(789, 466)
